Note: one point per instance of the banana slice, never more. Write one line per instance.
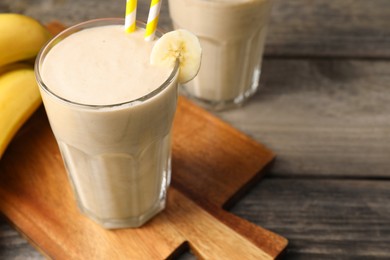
(182, 45)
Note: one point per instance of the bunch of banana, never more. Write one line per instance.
(21, 38)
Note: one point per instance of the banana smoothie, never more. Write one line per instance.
(111, 112)
(232, 34)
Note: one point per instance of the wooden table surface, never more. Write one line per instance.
(323, 108)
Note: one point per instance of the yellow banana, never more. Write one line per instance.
(14, 66)
(21, 37)
(19, 98)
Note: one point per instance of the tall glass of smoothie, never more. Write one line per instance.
(111, 112)
(232, 34)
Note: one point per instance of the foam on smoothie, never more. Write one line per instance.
(111, 76)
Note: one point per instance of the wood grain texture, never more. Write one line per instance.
(320, 28)
(13, 245)
(343, 145)
(330, 28)
(323, 218)
(322, 117)
(36, 197)
(224, 168)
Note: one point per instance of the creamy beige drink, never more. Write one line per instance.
(232, 34)
(111, 113)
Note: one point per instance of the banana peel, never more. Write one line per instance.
(19, 98)
(21, 37)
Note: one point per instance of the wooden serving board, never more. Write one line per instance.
(213, 164)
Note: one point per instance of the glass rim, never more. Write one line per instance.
(91, 24)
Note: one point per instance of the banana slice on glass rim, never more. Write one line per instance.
(182, 45)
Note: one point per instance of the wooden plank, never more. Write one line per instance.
(330, 28)
(35, 194)
(320, 28)
(322, 117)
(317, 28)
(323, 218)
(203, 149)
(30, 196)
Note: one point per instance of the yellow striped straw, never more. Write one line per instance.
(151, 25)
(131, 11)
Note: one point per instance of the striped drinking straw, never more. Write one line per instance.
(151, 25)
(131, 11)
